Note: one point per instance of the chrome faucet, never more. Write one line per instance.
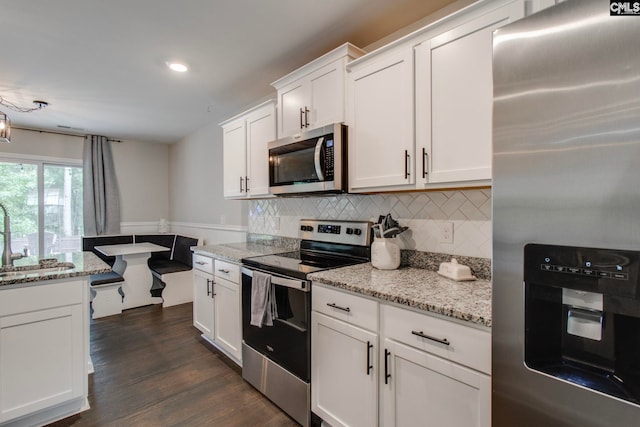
(7, 256)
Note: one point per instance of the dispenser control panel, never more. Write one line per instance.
(576, 267)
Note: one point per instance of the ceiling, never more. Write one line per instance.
(101, 65)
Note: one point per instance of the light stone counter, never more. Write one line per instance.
(234, 252)
(71, 264)
(418, 288)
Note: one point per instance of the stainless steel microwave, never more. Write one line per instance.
(310, 162)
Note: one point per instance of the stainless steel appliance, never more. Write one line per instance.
(276, 359)
(566, 219)
(310, 162)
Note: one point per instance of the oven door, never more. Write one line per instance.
(287, 342)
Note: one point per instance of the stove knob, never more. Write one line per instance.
(309, 228)
(357, 231)
(349, 230)
(303, 228)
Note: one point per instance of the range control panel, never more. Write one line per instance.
(347, 232)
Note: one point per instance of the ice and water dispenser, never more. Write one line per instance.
(582, 317)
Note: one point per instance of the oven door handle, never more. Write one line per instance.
(302, 285)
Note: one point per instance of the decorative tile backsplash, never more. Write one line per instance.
(424, 213)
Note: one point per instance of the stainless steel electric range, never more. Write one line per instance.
(276, 359)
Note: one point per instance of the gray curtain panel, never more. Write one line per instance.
(101, 195)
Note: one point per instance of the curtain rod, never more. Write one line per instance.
(61, 133)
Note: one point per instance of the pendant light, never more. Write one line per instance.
(5, 128)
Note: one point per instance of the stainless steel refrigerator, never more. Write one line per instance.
(566, 219)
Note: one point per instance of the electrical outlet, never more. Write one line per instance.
(446, 232)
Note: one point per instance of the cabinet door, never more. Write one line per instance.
(381, 119)
(261, 129)
(235, 158)
(423, 389)
(41, 360)
(344, 380)
(228, 331)
(326, 89)
(203, 303)
(292, 100)
(459, 71)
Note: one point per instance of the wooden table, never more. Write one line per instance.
(131, 263)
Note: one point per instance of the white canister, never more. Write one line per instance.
(385, 254)
(163, 226)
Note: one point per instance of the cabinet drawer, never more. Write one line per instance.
(341, 305)
(462, 344)
(42, 296)
(203, 263)
(227, 270)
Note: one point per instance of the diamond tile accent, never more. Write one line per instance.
(423, 213)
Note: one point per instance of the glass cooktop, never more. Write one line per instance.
(297, 264)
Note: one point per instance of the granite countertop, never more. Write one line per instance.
(418, 288)
(234, 252)
(64, 265)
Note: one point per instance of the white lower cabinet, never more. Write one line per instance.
(217, 310)
(344, 383)
(43, 351)
(423, 389)
(228, 330)
(423, 370)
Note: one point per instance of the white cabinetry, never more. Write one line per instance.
(217, 304)
(381, 136)
(202, 299)
(228, 308)
(245, 152)
(419, 110)
(43, 351)
(454, 99)
(313, 95)
(435, 371)
(382, 364)
(344, 368)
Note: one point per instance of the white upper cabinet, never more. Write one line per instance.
(380, 119)
(234, 154)
(454, 100)
(419, 110)
(245, 141)
(313, 95)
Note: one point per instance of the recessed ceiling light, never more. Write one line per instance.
(177, 66)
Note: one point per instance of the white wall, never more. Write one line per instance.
(142, 169)
(198, 207)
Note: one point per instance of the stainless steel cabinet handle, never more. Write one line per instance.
(422, 335)
(241, 190)
(425, 160)
(222, 270)
(332, 305)
(369, 365)
(213, 294)
(246, 184)
(209, 281)
(406, 164)
(387, 375)
(201, 263)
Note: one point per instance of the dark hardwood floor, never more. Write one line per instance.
(153, 369)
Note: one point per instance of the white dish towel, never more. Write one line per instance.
(263, 301)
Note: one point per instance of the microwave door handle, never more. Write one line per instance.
(316, 159)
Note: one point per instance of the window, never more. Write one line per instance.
(44, 202)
